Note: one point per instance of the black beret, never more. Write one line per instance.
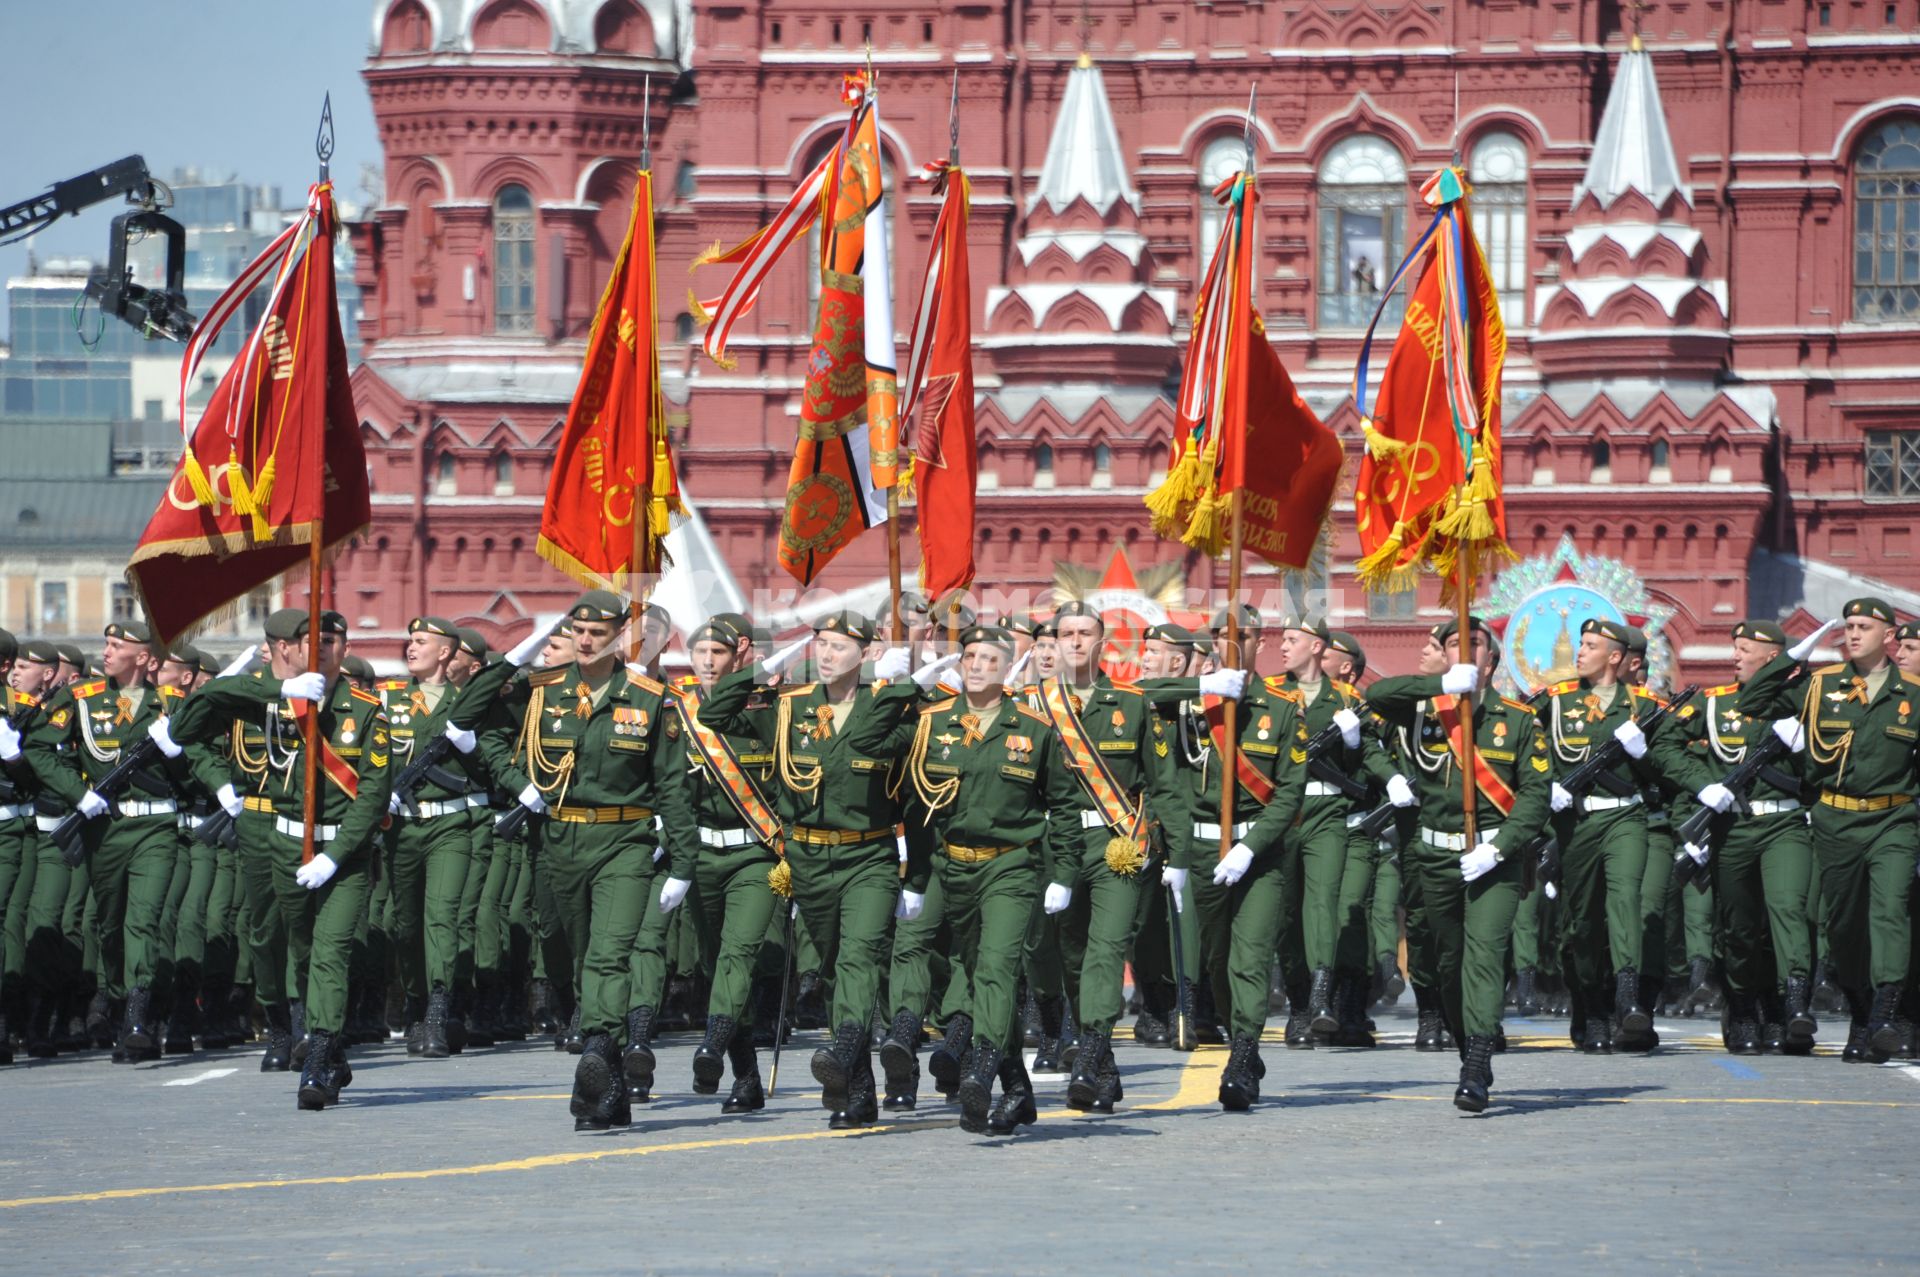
(9, 645)
(330, 623)
(357, 667)
(40, 652)
(71, 655)
(992, 635)
(1451, 628)
(1306, 625)
(1076, 607)
(1177, 635)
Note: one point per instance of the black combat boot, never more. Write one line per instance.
(1427, 1029)
(480, 1019)
(1629, 1013)
(1298, 1035)
(1800, 1026)
(863, 1103)
(1526, 993)
(1859, 1048)
(835, 1063)
(710, 1058)
(1827, 995)
(1476, 1076)
(636, 1062)
(317, 1088)
(1109, 1092)
(1350, 1003)
(1320, 1016)
(1389, 984)
(433, 1027)
(1743, 1025)
(1238, 1087)
(975, 1091)
(137, 1035)
(414, 1012)
(1150, 1028)
(182, 1020)
(457, 1034)
(540, 1008)
(810, 1002)
(511, 1025)
(748, 1095)
(1773, 1022)
(41, 1010)
(279, 1039)
(1016, 1108)
(1883, 1028)
(900, 1061)
(1599, 1039)
(1083, 1089)
(569, 1038)
(1047, 1051)
(948, 1060)
(298, 1029)
(599, 1099)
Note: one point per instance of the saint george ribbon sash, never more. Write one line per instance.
(1109, 797)
(718, 753)
(1498, 792)
(1251, 778)
(337, 769)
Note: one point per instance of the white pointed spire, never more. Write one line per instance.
(1633, 151)
(1084, 159)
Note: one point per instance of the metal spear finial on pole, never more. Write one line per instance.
(323, 138)
(953, 122)
(1253, 96)
(646, 122)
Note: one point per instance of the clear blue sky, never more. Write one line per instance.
(225, 85)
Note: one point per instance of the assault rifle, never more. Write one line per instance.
(18, 720)
(131, 769)
(1321, 768)
(1756, 766)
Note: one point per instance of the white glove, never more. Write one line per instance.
(1349, 724)
(911, 903)
(1230, 684)
(900, 848)
(1561, 798)
(1791, 734)
(229, 801)
(1175, 880)
(159, 735)
(928, 676)
(1631, 739)
(894, 664)
(92, 805)
(1233, 866)
(1057, 898)
(314, 874)
(529, 647)
(1553, 892)
(393, 804)
(239, 664)
(672, 892)
(1804, 648)
(1479, 862)
(1718, 797)
(1399, 792)
(1012, 681)
(304, 687)
(787, 656)
(1698, 853)
(9, 742)
(1459, 680)
(462, 741)
(531, 799)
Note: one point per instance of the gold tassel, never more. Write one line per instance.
(262, 498)
(780, 880)
(1207, 531)
(243, 500)
(1379, 446)
(197, 479)
(707, 256)
(1125, 855)
(701, 315)
(1167, 503)
(1389, 569)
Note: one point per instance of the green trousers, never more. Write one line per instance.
(222, 908)
(1153, 971)
(52, 957)
(1865, 861)
(1239, 929)
(1655, 877)
(319, 924)
(1423, 962)
(1383, 907)
(1526, 930)
(129, 867)
(847, 897)
(194, 872)
(472, 889)
(262, 922)
(910, 975)
(1095, 931)
(1760, 873)
(601, 882)
(1603, 860)
(1472, 928)
(555, 953)
(1319, 842)
(518, 908)
(19, 866)
(492, 941)
(427, 865)
(1353, 952)
(988, 904)
(735, 908)
(648, 982)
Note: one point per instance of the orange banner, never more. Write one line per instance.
(940, 399)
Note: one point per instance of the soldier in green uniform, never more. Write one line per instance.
(429, 840)
(19, 844)
(184, 922)
(1423, 970)
(835, 745)
(993, 811)
(489, 1017)
(736, 852)
(1470, 885)
(321, 901)
(77, 740)
(1603, 837)
(587, 758)
(1856, 728)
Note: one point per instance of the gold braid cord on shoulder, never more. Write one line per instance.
(801, 780)
(250, 764)
(560, 773)
(934, 793)
(1824, 752)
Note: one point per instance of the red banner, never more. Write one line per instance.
(939, 402)
(613, 481)
(276, 456)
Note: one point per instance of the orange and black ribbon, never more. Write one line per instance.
(724, 763)
(1497, 791)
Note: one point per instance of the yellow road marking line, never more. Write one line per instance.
(1622, 1099)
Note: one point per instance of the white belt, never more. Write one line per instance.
(1763, 807)
(725, 838)
(1323, 789)
(451, 807)
(1356, 820)
(1595, 803)
(190, 821)
(1453, 842)
(1213, 831)
(16, 811)
(1092, 820)
(297, 829)
(47, 824)
(133, 807)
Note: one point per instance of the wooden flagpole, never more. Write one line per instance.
(316, 553)
(642, 528)
(1235, 543)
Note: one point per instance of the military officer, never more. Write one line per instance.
(19, 846)
(835, 745)
(1470, 882)
(322, 900)
(1855, 733)
(130, 842)
(184, 922)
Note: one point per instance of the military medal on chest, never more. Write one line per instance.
(947, 741)
(1264, 728)
(346, 732)
(1019, 749)
(1119, 721)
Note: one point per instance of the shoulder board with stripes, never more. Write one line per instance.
(94, 688)
(1131, 689)
(1561, 689)
(1727, 690)
(1346, 689)
(1032, 713)
(393, 685)
(368, 697)
(1832, 669)
(641, 681)
(547, 677)
(801, 690)
(1513, 704)
(936, 707)
(1645, 694)
(172, 694)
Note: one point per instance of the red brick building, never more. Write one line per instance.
(1709, 252)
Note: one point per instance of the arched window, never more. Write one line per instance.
(685, 180)
(1662, 467)
(987, 476)
(891, 204)
(1602, 463)
(502, 475)
(1886, 224)
(1363, 210)
(513, 260)
(1498, 173)
(1223, 157)
(446, 481)
(683, 327)
(1043, 466)
(1102, 466)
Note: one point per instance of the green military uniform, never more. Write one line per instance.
(186, 920)
(1470, 921)
(319, 908)
(19, 865)
(835, 784)
(76, 741)
(591, 749)
(996, 816)
(1862, 732)
(1760, 863)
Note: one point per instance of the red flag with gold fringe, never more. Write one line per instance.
(937, 398)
